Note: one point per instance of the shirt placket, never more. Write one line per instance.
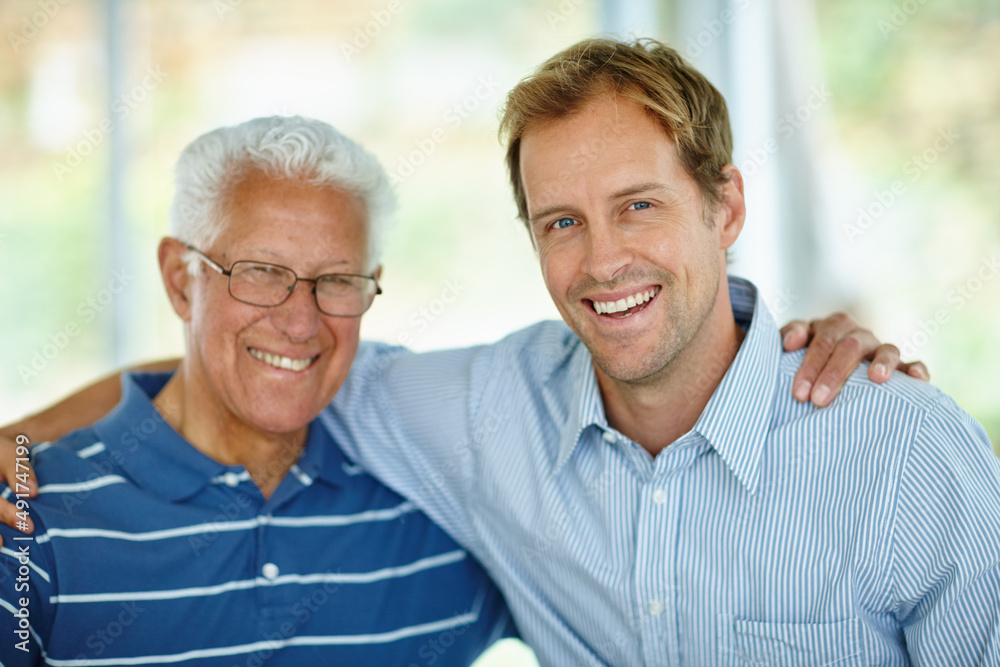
(657, 531)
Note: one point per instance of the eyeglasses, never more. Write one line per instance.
(269, 285)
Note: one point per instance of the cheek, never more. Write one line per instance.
(344, 334)
(557, 264)
(218, 323)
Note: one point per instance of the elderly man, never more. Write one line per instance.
(207, 520)
(628, 480)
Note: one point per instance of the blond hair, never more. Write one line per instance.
(686, 104)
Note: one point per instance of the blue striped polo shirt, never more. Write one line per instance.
(148, 552)
(772, 533)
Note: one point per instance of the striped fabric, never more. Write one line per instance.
(773, 533)
(147, 552)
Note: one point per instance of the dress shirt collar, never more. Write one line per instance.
(736, 419)
(159, 459)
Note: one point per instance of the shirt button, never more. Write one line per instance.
(655, 607)
(610, 437)
(659, 496)
(270, 571)
(231, 479)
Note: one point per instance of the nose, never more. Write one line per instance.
(607, 251)
(298, 317)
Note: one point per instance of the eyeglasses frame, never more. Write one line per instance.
(229, 285)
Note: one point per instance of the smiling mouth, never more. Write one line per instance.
(284, 363)
(626, 307)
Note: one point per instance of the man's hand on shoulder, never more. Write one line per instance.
(17, 473)
(837, 346)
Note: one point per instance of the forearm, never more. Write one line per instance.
(80, 409)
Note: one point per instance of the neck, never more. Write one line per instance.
(213, 430)
(661, 409)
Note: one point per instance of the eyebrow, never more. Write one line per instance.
(640, 188)
(272, 257)
(626, 192)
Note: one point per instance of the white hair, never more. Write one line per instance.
(282, 147)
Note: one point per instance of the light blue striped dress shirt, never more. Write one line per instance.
(773, 533)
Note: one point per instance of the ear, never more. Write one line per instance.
(377, 272)
(732, 208)
(176, 278)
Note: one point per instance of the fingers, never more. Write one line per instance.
(847, 355)
(884, 362)
(824, 335)
(916, 369)
(837, 346)
(819, 351)
(795, 335)
(15, 467)
(16, 472)
(16, 519)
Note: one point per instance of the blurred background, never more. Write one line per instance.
(867, 131)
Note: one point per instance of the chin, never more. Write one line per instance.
(625, 367)
(276, 418)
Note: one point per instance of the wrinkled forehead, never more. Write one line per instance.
(293, 219)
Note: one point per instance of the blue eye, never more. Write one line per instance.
(640, 205)
(563, 223)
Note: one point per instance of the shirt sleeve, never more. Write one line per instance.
(946, 543)
(411, 421)
(27, 581)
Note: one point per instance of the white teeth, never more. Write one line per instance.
(279, 361)
(621, 305)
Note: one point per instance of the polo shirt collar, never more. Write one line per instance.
(322, 458)
(158, 458)
(735, 420)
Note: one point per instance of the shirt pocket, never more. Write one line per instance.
(745, 643)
